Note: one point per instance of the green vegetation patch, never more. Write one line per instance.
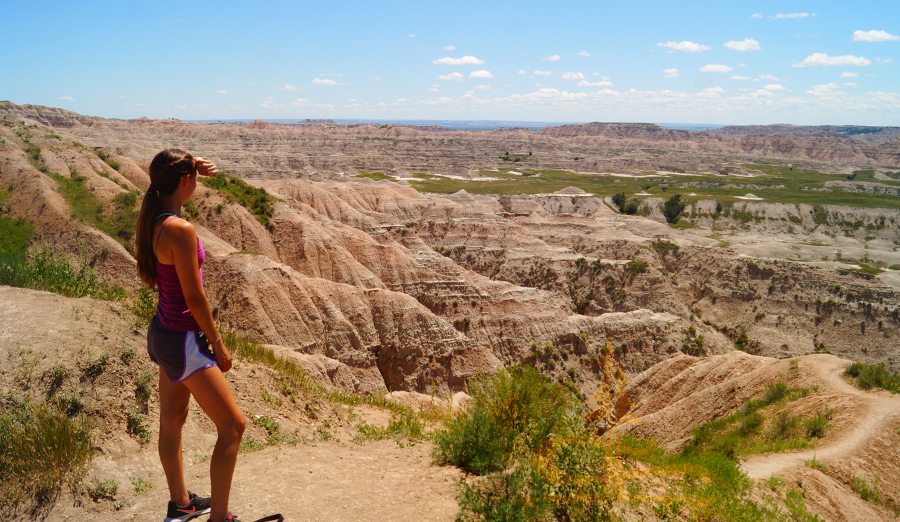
(41, 450)
(256, 200)
(870, 376)
(757, 428)
(378, 176)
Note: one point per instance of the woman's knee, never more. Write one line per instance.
(172, 420)
(234, 428)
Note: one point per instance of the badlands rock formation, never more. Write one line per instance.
(376, 286)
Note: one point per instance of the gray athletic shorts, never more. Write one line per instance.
(179, 354)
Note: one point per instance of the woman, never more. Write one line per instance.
(182, 338)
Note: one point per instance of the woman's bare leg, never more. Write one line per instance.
(211, 391)
(173, 410)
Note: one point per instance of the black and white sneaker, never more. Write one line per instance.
(196, 507)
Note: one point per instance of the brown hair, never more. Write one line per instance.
(166, 171)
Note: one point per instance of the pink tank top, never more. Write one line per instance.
(172, 309)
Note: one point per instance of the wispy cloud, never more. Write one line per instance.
(480, 74)
(874, 36)
(433, 88)
(551, 58)
(715, 68)
(450, 48)
(756, 16)
(330, 74)
(739, 77)
(376, 78)
(825, 60)
(747, 44)
(711, 92)
(827, 89)
(67, 98)
(784, 16)
(573, 76)
(222, 91)
(451, 77)
(411, 35)
(521, 71)
(465, 60)
(327, 81)
(542, 73)
(585, 54)
(602, 83)
(685, 47)
(670, 73)
(484, 87)
(774, 87)
(289, 87)
(849, 75)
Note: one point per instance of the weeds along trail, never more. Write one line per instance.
(874, 412)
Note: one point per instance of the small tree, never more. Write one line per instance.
(673, 208)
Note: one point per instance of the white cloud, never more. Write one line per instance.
(782, 16)
(69, 98)
(484, 87)
(433, 88)
(326, 81)
(670, 73)
(304, 100)
(289, 87)
(685, 47)
(584, 53)
(402, 100)
(542, 73)
(572, 76)
(351, 100)
(602, 83)
(747, 44)
(886, 60)
(742, 65)
(739, 77)
(325, 105)
(774, 87)
(825, 60)
(825, 90)
(451, 77)
(480, 74)
(223, 91)
(465, 60)
(850, 84)
(874, 36)
(756, 16)
(450, 48)
(711, 92)
(376, 78)
(330, 74)
(715, 68)
(849, 75)
(521, 71)
(411, 35)
(769, 77)
(551, 58)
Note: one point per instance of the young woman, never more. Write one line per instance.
(182, 338)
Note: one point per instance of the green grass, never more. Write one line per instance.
(378, 176)
(256, 200)
(550, 180)
(870, 376)
(85, 207)
(745, 432)
(41, 450)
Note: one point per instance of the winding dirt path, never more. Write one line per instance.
(874, 410)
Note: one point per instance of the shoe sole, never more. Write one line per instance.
(187, 516)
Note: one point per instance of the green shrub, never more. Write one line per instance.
(44, 270)
(41, 450)
(870, 376)
(672, 208)
(143, 306)
(256, 200)
(105, 490)
(515, 411)
(135, 426)
(144, 388)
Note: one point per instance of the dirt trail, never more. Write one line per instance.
(874, 411)
(307, 482)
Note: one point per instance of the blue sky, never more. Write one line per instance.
(707, 62)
